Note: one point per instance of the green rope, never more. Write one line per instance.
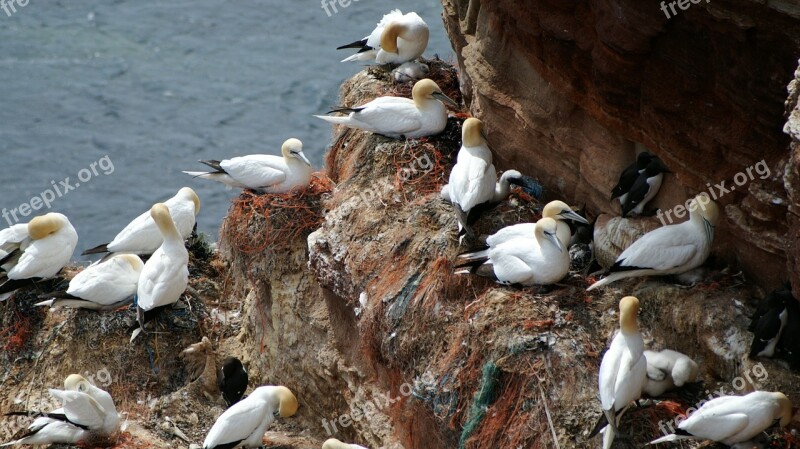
(485, 395)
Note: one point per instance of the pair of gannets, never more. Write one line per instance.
(639, 183)
(263, 172)
(776, 327)
(245, 422)
(141, 236)
(87, 412)
(671, 249)
(667, 370)
(398, 38)
(333, 443)
(104, 285)
(396, 117)
(38, 249)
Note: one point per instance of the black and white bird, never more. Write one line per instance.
(645, 188)
(397, 38)
(232, 380)
(629, 176)
(776, 327)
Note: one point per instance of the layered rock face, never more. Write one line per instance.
(570, 89)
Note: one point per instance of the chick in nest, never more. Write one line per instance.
(202, 367)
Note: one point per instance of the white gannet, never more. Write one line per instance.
(623, 371)
(141, 236)
(733, 419)
(166, 274)
(629, 176)
(397, 39)
(557, 210)
(246, 421)
(671, 249)
(645, 188)
(262, 172)
(333, 443)
(86, 411)
(36, 250)
(232, 380)
(541, 260)
(422, 115)
(503, 188)
(103, 285)
(667, 370)
(410, 71)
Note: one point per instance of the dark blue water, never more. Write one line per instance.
(157, 85)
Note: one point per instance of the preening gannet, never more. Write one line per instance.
(141, 236)
(247, 420)
(623, 371)
(232, 380)
(333, 443)
(104, 285)
(262, 172)
(397, 39)
(541, 260)
(667, 370)
(645, 188)
(671, 249)
(733, 419)
(629, 176)
(396, 117)
(166, 274)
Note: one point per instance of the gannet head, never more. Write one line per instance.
(472, 133)
(559, 210)
(45, 225)
(133, 260)
(293, 148)
(785, 412)
(706, 212)
(282, 399)
(547, 228)
(425, 90)
(628, 309)
(160, 214)
(76, 382)
(390, 34)
(188, 194)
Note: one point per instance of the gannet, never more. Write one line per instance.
(645, 188)
(232, 380)
(397, 117)
(733, 419)
(86, 411)
(397, 39)
(501, 190)
(667, 370)
(262, 172)
(247, 420)
(522, 260)
(629, 176)
(141, 236)
(410, 71)
(557, 210)
(623, 371)
(104, 285)
(166, 274)
(333, 443)
(671, 249)
(36, 250)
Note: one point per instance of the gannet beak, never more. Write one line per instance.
(303, 158)
(572, 215)
(554, 238)
(444, 99)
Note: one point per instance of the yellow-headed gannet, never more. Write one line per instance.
(397, 39)
(165, 274)
(246, 421)
(667, 370)
(671, 249)
(522, 260)
(734, 419)
(104, 285)
(557, 210)
(623, 371)
(333, 443)
(396, 117)
(262, 172)
(629, 176)
(645, 188)
(141, 236)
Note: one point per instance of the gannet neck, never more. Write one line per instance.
(472, 133)
(785, 409)
(133, 260)
(628, 308)
(390, 35)
(160, 214)
(546, 231)
(190, 195)
(45, 225)
(283, 400)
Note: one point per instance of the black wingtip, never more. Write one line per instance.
(357, 44)
(99, 249)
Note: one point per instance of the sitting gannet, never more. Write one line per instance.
(557, 210)
(667, 370)
(246, 421)
(141, 236)
(397, 39)
(262, 172)
(396, 117)
(734, 419)
(672, 249)
(333, 443)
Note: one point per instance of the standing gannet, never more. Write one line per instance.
(333, 443)
(232, 380)
(667, 370)
(557, 210)
(645, 188)
(104, 285)
(247, 420)
(141, 236)
(36, 250)
(397, 117)
(397, 39)
(629, 176)
(623, 371)
(734, 419)
(262, 172)
(166, 274)
(672, 249)
(541, 260)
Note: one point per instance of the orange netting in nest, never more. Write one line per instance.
(257, 222)
(421, 166)
(17, 334)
